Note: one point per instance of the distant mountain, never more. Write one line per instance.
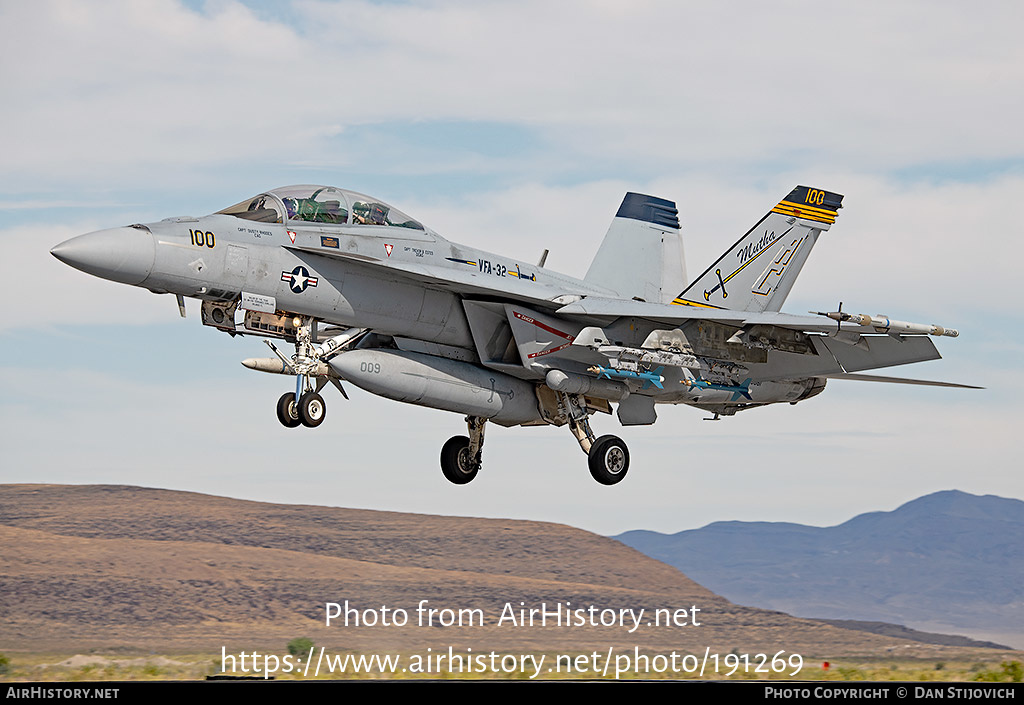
(949, 561)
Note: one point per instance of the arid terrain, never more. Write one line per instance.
(117, 567)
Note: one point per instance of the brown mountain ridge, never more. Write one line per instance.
(100, 566)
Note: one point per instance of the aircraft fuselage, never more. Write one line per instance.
(370, 296)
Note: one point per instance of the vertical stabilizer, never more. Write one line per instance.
(642, 253)
(757, 273)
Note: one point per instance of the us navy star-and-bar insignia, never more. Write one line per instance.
(298, 279)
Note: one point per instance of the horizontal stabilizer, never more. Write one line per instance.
(881, 351)
(899, 380)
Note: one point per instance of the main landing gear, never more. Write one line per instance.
(608, 459)
(460, 456)
(607, 456)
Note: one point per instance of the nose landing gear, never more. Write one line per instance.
(312, 409)
(288, 411)
(305, 406)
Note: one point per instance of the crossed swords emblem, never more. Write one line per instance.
(721, 285)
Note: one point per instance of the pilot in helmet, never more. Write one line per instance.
(291, 207)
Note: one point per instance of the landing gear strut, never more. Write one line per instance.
(607, 456)
(460, 456)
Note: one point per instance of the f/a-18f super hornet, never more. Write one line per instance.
(368, 295)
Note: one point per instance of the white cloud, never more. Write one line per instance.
(722, 109)
(124, 90)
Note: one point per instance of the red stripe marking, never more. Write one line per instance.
(548, 352)
(540, 325)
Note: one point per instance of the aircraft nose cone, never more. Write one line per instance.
(119, 254)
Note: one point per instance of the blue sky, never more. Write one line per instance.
(516, 127)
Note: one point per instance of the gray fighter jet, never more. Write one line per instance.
(368, 295)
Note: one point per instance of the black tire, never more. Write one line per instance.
(456, 464)
(608, 460)
(287, 413)
(312, 409)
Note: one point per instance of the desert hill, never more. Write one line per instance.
(109, 566)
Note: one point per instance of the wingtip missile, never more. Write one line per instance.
(883, 324)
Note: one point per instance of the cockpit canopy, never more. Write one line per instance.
(319, 204)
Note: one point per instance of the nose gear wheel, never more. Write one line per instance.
(312, 409)
(287, 412)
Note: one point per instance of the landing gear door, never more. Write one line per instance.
(541, 339)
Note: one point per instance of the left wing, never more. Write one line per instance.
(831, 348)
